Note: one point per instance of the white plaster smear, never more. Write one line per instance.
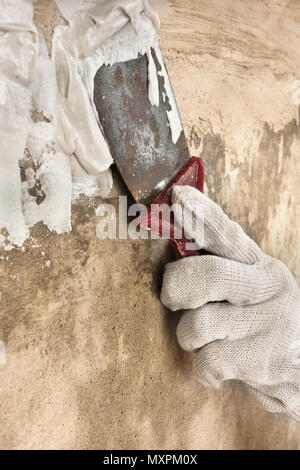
(173, 114)
(18, 51)
(126, 45)
(47, 117)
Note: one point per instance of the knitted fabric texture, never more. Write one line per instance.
(243, 321)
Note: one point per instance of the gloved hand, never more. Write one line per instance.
(254, 336)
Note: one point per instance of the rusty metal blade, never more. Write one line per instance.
(138, 134)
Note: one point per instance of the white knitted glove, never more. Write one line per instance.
(254, 336)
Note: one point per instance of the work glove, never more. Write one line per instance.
(243, 321)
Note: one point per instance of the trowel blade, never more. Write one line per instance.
(138, 133)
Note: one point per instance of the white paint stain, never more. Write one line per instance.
(173, 115)
(2, 353)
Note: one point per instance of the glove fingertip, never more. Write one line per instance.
(170, 292)
(181, 194)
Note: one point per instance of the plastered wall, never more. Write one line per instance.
(91, 354)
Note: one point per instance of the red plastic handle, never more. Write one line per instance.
(192, 174)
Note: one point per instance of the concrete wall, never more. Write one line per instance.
(91, 354)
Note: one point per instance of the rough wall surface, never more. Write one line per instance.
(91, 354)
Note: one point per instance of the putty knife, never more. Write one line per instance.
(139, 137)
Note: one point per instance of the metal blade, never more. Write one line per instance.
(138, 133)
